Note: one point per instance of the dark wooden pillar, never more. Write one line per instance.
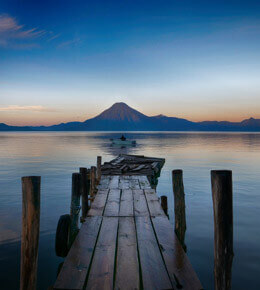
(222, 195)
(92, 183)
(179, 206)
(84, 192)
(99, 161)
(30, 231)
(164, 204)
(75, 206)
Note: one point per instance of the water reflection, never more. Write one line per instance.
(116, 150)
(55, 155)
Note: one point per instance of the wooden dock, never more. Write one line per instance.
(126, 241)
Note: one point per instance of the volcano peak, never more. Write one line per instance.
(121, 112)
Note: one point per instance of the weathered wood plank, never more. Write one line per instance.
(154, 273)
(129, 165)
(140, 204)
(113, 203)
(144, 183)
(104, 182)
(179, 268)
(76, 265)
(127, 269)
(123, 183)
(126, 177)
(139, 167)
(98, 205)
(126, 203)
(102, 269)
(154, 205)
(134, 183)
(117, 160)
(114, 182)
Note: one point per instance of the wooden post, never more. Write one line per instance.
(74, 206)
(179, 206)
(164, 204)
(89, 181)
(99, 160)
(84, 192)
(222, 192)
(92, 182)
(30, 231)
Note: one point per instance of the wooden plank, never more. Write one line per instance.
(126, 177)
(133, 165)
(76, 265)
(154, 205)
(114, 182)
(139, 167)
(127, 269)
(154, 273)
(98, 205)
(112, 204)
(140, 204)
(104, 182)
(134, 183)
(144, 183)
(126, 203)
(102, 269)
(123, 183)
(117, 160)
(179, 268)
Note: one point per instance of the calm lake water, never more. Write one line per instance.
(56, 155)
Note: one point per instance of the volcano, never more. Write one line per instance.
(121, 117)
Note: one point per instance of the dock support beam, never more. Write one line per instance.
(30, 231)
(179, 206)
(84, 192)
(75, 206)
(222, 192)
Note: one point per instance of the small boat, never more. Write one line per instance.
(123, 142)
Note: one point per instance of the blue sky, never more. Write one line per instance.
(69, 60)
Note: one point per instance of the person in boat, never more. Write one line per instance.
(123, 138)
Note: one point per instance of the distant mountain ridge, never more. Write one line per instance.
(121, 117)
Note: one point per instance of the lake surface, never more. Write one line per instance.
(56, 155)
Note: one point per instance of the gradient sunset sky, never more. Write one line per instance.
(66, 60)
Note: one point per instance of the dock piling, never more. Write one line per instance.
(30, 231)
(222, 192)
(164, 204)
(179, 205)
(92, 183)
(75, 206)
(84, 192)
(99, 161)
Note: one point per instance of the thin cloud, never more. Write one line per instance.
(11, 31)
(53, 37)
(73, 42)
(15, 108)
(8, 23)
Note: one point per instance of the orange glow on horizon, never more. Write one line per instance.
(44, 119)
